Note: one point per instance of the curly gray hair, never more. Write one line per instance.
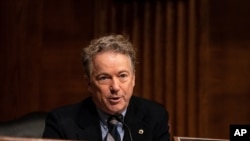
(116, 43)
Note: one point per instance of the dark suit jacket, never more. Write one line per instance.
(81, 122)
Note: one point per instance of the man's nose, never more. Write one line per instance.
(114, 87)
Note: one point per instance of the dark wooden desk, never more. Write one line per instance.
(176, 138)
(6, 138)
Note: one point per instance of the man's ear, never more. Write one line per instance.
(90, 87)
(134, 80)
(87, 80)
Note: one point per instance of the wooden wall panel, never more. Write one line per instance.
(20, 62)
(67, 28)
(225, 72)
(40, 49)
(193, 56)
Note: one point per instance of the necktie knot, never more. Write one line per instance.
(112, 121)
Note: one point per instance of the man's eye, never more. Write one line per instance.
(103, 78)
(123, 75)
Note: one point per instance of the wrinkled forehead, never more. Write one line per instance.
(112, 56)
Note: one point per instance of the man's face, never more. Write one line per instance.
(112, 80)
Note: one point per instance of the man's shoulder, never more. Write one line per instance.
(145, 101)
(146, 110)
(72, 109)
(146, 104)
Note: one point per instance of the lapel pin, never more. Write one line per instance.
(141, 131)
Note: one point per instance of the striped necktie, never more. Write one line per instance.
(113, 134)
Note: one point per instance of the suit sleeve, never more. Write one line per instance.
(53, 127)
(161, 129)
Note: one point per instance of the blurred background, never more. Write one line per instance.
(194, 56)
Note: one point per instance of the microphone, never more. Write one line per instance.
(119, 117)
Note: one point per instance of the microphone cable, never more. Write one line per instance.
(119, 117)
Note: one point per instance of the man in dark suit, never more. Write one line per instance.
(109, 64)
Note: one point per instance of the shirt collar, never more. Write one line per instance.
(104, 116)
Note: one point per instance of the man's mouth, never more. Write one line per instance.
(114, 100)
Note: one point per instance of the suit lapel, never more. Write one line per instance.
(90, 133)
(138, 131)
(88, 120)
(134, 119)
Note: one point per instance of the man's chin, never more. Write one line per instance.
(115, 110)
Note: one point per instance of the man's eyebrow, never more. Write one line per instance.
(102, 73)
(123, 71)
